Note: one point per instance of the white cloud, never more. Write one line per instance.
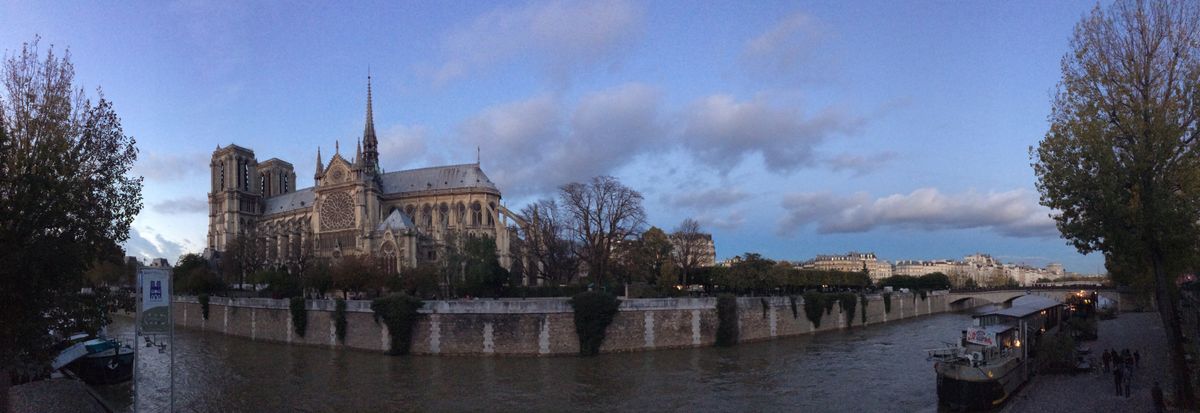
(712, 198)
(1013, 213)
(562, 36)
(733, 220)
(722, 131)
(790, 50)
(183, 205)
(402, 146)
(534, 145)
(152, 246)
(168, 167)
(860, 164)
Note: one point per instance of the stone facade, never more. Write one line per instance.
(354, 208)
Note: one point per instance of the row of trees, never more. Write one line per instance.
(470, 266)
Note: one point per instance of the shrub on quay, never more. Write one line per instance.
(848, 301)
(862, 299)
(339, 319)
(594, 311)
(727, 322)
(299, 315)
(399, 313)
(203, 299)
(814, 304)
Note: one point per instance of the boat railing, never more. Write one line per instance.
(949, 352)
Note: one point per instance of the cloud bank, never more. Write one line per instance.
(1013, 213)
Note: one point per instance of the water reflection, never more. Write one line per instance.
(861, 369)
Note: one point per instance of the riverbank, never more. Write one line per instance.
(1094, 391)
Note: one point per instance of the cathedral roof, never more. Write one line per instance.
(465, 176)
(301, 198)
(396, 220)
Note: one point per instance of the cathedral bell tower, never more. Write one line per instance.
(235, 197)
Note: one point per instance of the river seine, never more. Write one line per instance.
(876, 368)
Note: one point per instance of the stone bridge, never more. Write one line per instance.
(962, 300)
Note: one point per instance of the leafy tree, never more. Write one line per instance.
(193, 276)
(601, 213)
(353, 273)
(1120, 161)
(317, 277)
(66, 196)
(482, 266)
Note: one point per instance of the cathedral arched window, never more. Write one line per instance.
(460, 215)
(262, 184)
(443, 216)
(427, 216)
(476, 214)
(222, 168)
(388, 255)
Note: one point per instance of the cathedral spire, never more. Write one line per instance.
(370, 143)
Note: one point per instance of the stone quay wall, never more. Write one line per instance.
(536, 327)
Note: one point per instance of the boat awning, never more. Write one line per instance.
(1024, 307)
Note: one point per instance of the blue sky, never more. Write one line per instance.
(790, 129)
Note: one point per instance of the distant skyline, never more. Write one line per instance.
(789, 129)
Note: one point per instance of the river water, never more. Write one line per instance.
(876, 368)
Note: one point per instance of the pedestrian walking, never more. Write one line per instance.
(1107, 359)
(1156, 393)
(1117, 380)
(1127, 373)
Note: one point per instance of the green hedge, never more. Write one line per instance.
(339, 319)
(727, 321)
(594, 311)
(848, 301)
(862, 299)
(203, 298)
(399, 313)
(814, 304)
(299, 315)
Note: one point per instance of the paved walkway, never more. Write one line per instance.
(1095, 392)
(52, 396)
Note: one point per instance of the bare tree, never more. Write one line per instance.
(244, 255)
(547, 243)
(689, 244)
(602, 213)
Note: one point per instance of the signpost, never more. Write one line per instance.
(154, 318)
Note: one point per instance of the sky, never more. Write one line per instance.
(789, 129)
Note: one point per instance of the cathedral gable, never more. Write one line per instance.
(338, 171)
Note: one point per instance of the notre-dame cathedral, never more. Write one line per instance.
(353, 208)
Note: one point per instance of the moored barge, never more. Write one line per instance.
(991, 360)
